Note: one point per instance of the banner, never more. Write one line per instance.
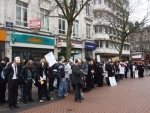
(50, 59)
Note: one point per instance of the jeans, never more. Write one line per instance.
(68, 84)
(62, 87)
(77, 92)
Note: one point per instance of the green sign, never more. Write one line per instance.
(32, 39)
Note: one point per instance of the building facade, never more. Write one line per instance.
(32, 28)
(140, 44)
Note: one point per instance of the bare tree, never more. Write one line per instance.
(125, 27)
(68, 8)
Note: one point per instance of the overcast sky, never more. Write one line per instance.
(140, 9)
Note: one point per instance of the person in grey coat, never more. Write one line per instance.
(77, 79)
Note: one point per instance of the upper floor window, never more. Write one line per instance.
(88, 31)
(44, 19)
(97, 1)
(98, 29)
(75, 28)
(87, 10)
(61, 25)
(21, 13)
(137, 38)
(106, 2)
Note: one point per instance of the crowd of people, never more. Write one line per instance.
(66, 76)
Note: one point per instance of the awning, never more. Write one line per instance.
(90, 46)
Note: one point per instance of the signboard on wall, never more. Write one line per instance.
(35, 23)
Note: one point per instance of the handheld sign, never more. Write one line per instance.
(112, 81)
(50, 59)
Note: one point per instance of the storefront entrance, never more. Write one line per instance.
(2, 50)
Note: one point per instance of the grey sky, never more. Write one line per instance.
(140, 9)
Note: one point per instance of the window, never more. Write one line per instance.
(97, 43)
(21, 13)
(106, 30)
(44, 19)
(98, 29)
(106, 44)
(106, 2)
(75, 28)
(124, 47)
(137, 47)
(61, 25)
(97, 1)
(98, 15)
(137, 38)
(87, 10)
(101, 43)
(110, 45)
(88, 31)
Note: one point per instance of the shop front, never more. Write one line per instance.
(2, 43)
(76, 51)
(89, 48)
(30, 46)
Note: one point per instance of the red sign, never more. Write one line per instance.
(35, 23)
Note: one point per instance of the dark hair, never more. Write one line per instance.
(88, 59)
(6, 59)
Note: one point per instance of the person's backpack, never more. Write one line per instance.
(59, 70)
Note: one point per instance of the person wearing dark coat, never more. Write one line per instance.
(140, 68)
(12, 74)
(27, 75)
(77, 79)
(51, 79)
(99, 72)
(41, 80)
(3, 66)
(108, 68)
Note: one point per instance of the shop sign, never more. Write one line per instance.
(31, 39)
(91, 46)
(35, 23)
(2, 35)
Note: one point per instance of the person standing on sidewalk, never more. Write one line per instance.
(62, 79)
(3, 66)
(13, 75)
(27, 80)
(77, 79)
(41, 80)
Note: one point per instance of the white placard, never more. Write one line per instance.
(77, 56)
(136, 74)
(122, 70)
(98, 58)
(112, 81)
(50, 59)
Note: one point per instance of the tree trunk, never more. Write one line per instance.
(68, 40)
(120, 52)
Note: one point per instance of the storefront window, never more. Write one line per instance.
(2, 50)
(88, 53)
(62, 52)
(29, 53)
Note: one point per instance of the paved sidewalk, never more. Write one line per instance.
(129, 96)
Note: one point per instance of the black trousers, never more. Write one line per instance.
(51, 81)
(27, 91)
(42, 90)
(131, 74)
(12, 92)
(2, 91)
(100, 80)
(88, 82)
(126, 74)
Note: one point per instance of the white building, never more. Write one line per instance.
(18, 36)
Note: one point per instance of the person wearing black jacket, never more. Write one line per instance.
(3, 66)
(126, 70)
(99, 72)
(12, 74)
(41, 80)
(27, 80)
(77, 79)
(109, 70)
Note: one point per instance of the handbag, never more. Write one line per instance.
(55, 83)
